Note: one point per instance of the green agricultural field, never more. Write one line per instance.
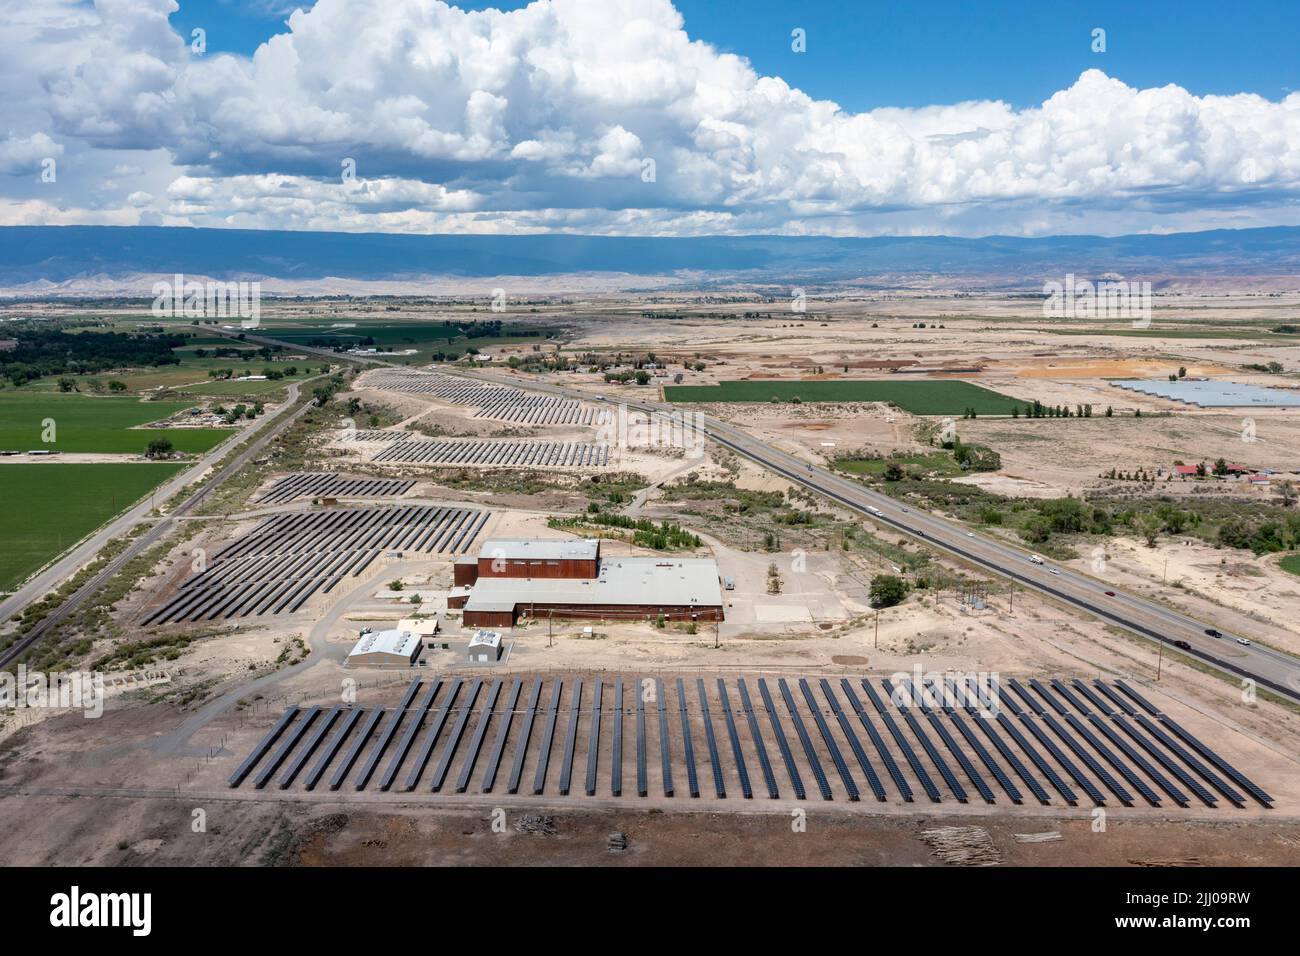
(235, 388)
(919, 397)
(84, 423)
(50, 506)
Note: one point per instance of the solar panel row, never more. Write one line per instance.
(756, 736)
(332, 485)
(593, 738)
(496, 453)
(688, 753)
(719, 785)
(737, 752)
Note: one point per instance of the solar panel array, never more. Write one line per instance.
(306, 484)
(375, 434)
(1042, 735)
(501, 402)
(532, 454)
(287, 558)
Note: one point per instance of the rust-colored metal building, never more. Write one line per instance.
(464, 571)
(530, 558)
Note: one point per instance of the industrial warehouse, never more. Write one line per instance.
(569, 579)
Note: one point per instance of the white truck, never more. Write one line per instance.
(1036, 559)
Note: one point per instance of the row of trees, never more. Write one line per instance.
(1039, 410)
(98, 386)
(42, 352)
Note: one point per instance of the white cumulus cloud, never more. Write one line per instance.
(545, 118)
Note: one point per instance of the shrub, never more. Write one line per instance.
(887, 590)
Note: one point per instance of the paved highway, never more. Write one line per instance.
(1101, 598)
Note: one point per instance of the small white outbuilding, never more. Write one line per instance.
(485, 647)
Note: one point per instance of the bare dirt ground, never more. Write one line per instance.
(159, 832)
(1070, 455)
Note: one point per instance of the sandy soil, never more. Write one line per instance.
(158, 832)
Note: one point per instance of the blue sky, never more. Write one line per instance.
(654, 117)
(877, 53)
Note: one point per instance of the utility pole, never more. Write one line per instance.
(1160, 659)
(1012, 610)
(550, 629)
(877, 641)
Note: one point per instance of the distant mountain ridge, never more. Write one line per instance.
(65, 254)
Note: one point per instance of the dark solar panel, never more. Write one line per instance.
(332, 749)
(719, 787)
(737, 753)
(756, 735)
(263, 746)
(782, 743)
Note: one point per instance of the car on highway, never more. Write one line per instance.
(1183, 644)
(1035, 559)
(1053, 571)
(970, 534)
(1213, 632)
(1243, 642)
(1110, 594)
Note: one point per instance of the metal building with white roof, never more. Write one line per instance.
(392, 648)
